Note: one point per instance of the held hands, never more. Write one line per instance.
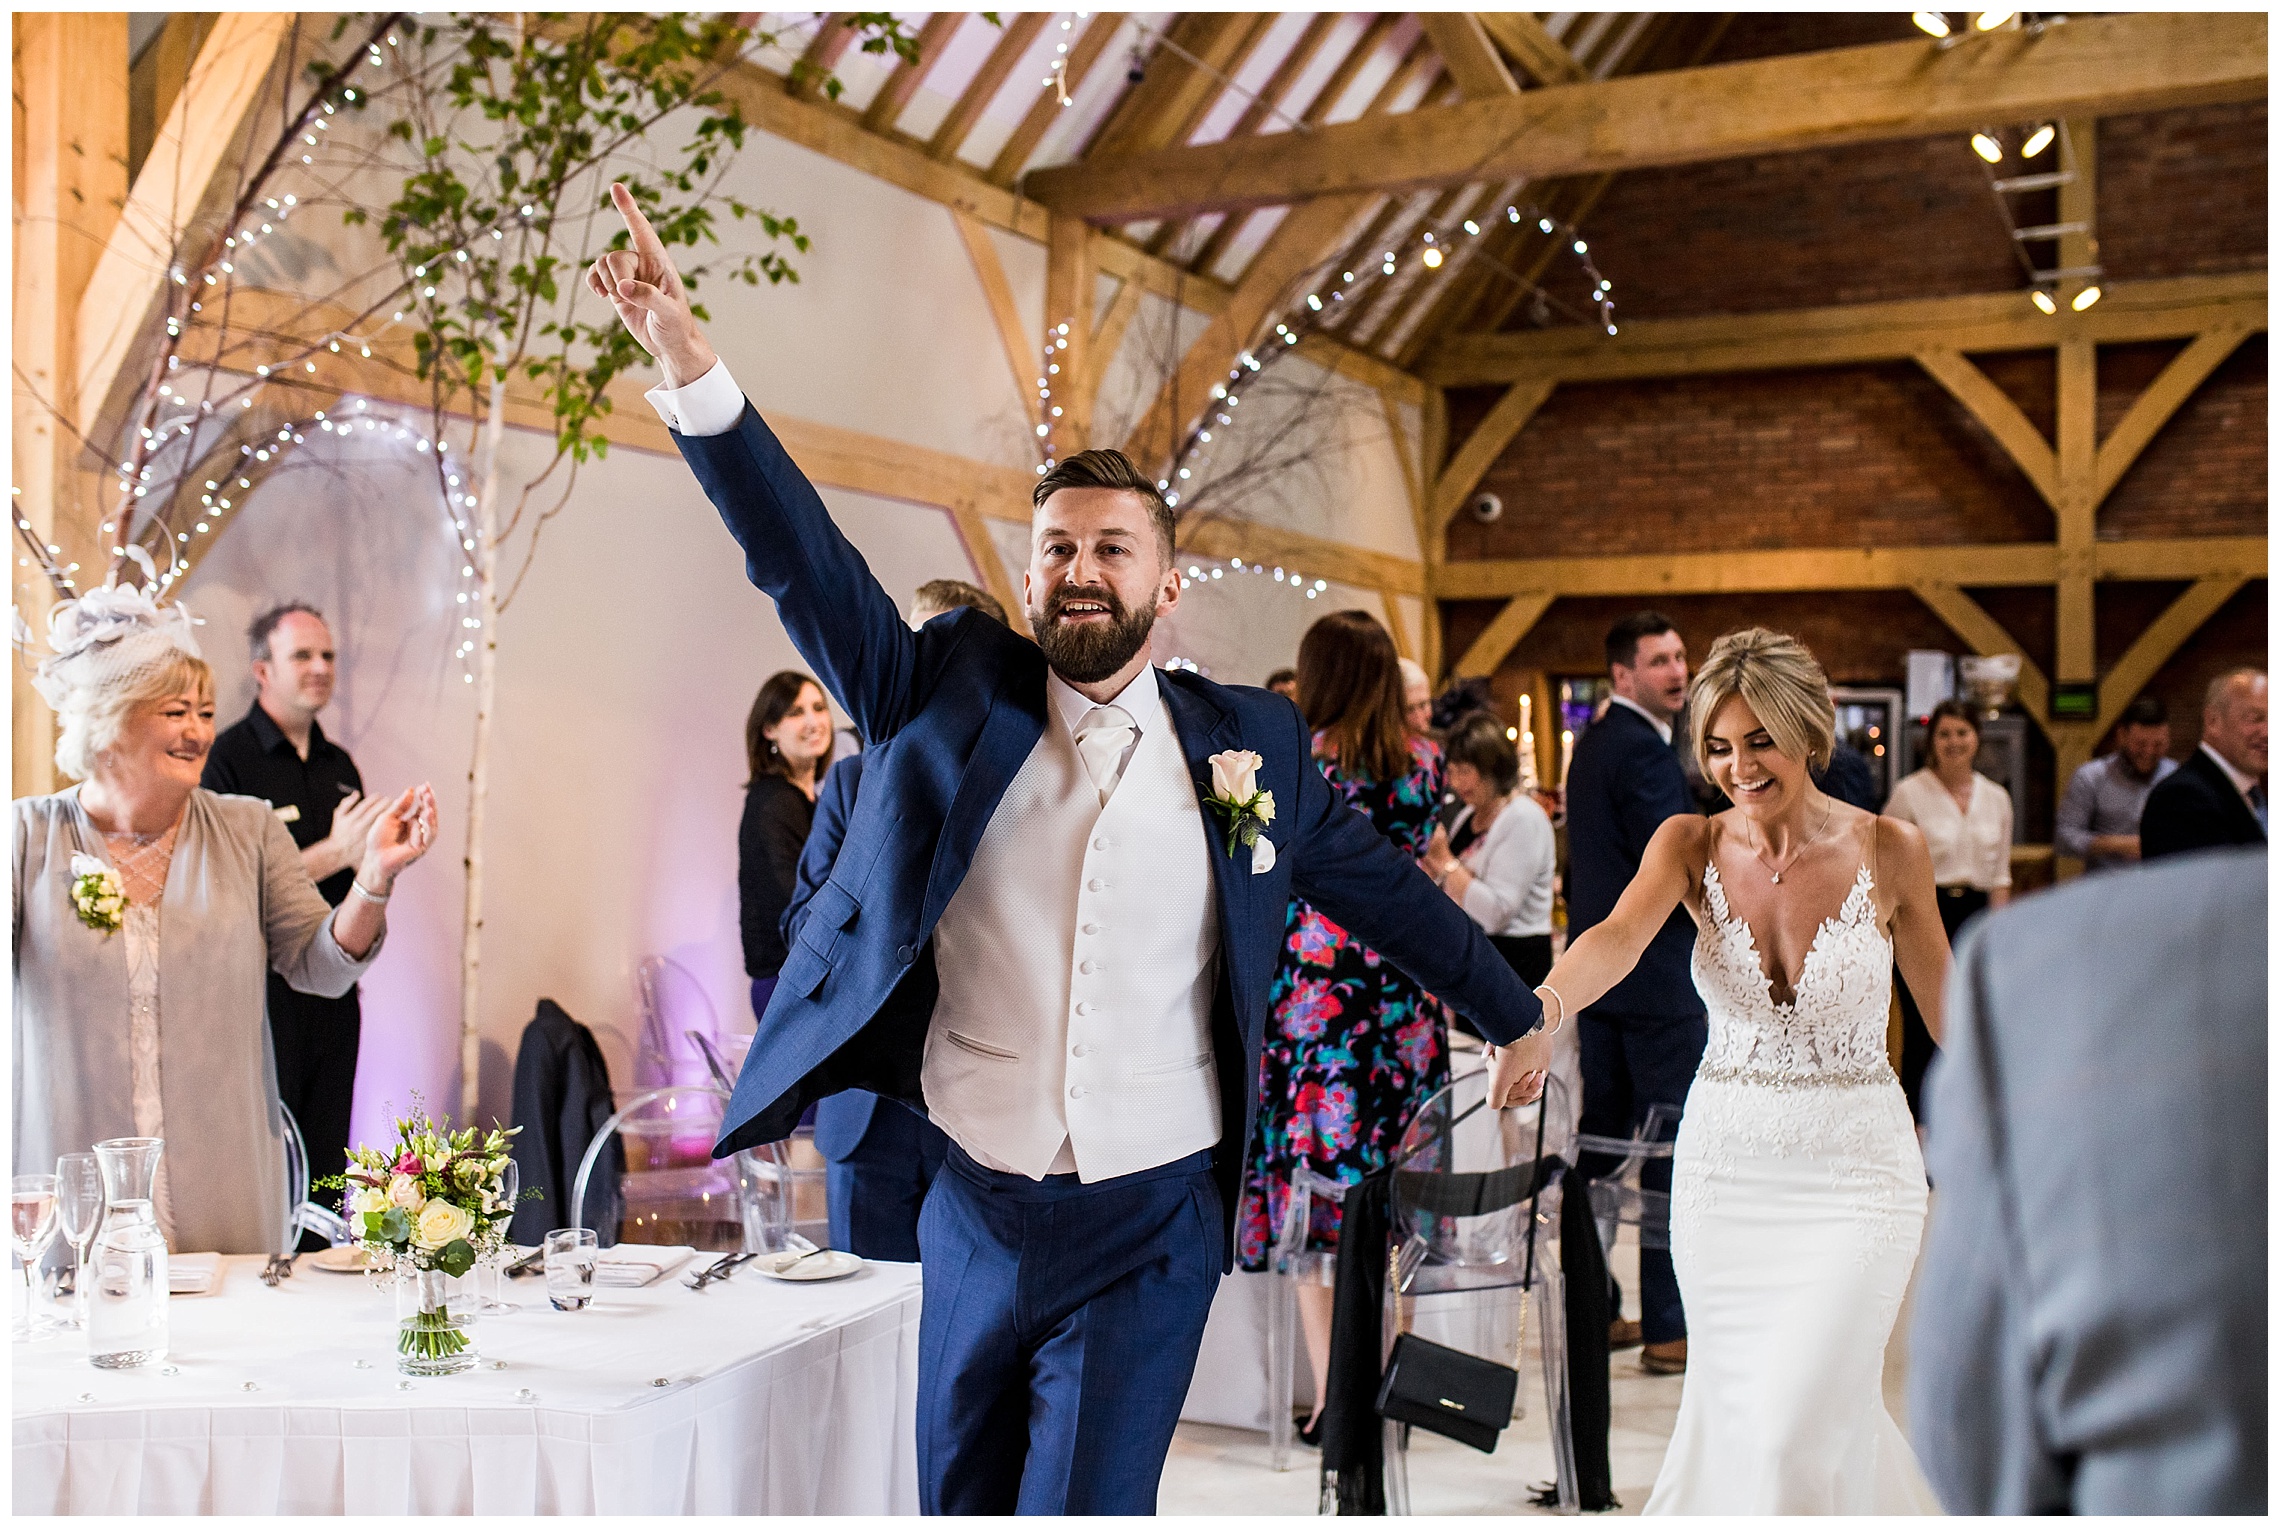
(403, 831)
(651, 302)
(1516, 1072)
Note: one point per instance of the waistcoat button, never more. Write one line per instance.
(1092, 928)
(1096, 884)
(1076, 1092)
(1100, 843)
(1089, 967)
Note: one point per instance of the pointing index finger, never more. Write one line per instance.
(645, 239)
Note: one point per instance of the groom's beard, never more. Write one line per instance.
(1091, 651)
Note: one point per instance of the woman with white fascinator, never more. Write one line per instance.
(147, 912)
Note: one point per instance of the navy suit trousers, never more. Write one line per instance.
(1631, 1062)
(1058, 1333)
(876, 1190)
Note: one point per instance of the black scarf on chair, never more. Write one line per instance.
(1583, 1265)
(1353, 1435)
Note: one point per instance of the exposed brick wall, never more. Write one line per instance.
(2237, 634)
(1764, 34)
(1850, 456)
(2182, 193)
(2205, 473)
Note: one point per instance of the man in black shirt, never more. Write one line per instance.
(281, 755)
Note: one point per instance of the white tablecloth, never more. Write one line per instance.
(754, 1396)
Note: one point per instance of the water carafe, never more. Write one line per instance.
(126, 1311)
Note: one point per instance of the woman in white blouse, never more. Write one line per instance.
(1966, 822)
(1495, 859)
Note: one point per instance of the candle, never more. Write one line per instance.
(1527, 757)
(1567, 755)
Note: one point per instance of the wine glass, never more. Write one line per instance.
(31, 1227)
(496, 1301)
(79, 1213)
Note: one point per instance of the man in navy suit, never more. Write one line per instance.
(1051, 926)
(1641, 1042)
(2215, 799)
(881, 1157)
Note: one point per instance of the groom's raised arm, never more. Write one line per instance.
(840, 620)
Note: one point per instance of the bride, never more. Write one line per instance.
(1797, 1190)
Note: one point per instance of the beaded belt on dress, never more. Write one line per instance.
(1759, 1076)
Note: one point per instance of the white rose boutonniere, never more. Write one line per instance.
(1236, 797)
(96, 894)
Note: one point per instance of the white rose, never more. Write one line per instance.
(1235, 774)
(441, 1224)
(405, 1191)
(370, 1201)
(1266, 806)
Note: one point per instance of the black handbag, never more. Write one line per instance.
(1462, 1397)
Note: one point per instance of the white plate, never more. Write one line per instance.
(337, 1260)
(792, 1268)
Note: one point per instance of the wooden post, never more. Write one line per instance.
(1072, 266)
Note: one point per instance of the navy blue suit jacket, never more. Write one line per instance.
(948, 714)
(2196, 807)
(1623, 783)
(841, 1120)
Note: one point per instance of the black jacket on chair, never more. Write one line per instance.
(1623, 783)
(2196, 807)
(562, 1100)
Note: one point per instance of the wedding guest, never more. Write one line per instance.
(787, 746)
(2216, 798)
(128, 1023)
(1416, 696)
(1353, 1046)
(1642, 1042)
(2098, 815)
(2092, 1315)
(280, 753)
(1966, 822)
(1496, 859)
(1284, 682)
(880, 1157)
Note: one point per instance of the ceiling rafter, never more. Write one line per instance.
(1038, 120)
(909, 74)
(1019, 33)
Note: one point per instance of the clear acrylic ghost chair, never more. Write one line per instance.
(674, 1009)
(795, 1163)
(1467, 1180)
(1619, 1197)
(302, 1213)
(1292, 1265)
(671, 1192)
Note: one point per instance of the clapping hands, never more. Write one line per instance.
(404, 829)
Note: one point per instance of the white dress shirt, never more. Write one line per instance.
(1077, 960)
(1661, 726)
(1969, 848)
(2242, 783)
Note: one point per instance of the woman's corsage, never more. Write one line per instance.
(1235, 796)
(96, 894)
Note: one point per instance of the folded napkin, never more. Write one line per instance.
(193, 1273)
(629, 1266)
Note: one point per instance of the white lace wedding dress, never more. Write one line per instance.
(1797, 1200)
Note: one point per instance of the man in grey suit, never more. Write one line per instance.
(2090, 1313)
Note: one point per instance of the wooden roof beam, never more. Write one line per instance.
(1523, 39)
(901, 85)
(2089, 66)
(1019, 33)
(1472, 59)
(1038, 120)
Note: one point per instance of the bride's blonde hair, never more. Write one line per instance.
(1777, 677)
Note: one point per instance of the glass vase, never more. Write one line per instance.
(435, 1322)
(127, 1311)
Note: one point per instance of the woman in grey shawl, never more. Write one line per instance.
(141, 1012)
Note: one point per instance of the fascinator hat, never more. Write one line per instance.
(105, 650)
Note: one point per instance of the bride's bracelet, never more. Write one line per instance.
(1553, 1028)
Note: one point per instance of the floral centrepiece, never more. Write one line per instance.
(97, 895)
(426, 1210)
(1236, 796)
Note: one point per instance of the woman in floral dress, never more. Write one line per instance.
(1353, 1046)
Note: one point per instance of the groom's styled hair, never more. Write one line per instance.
(1111, 469)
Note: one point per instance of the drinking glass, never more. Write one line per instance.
(79, 1213)
(31, 1228)
(495, 1282)
(570, 1259)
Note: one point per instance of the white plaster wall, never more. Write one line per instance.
(633, 651)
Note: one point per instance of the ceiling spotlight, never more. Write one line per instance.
(2042, 300)
(2085, 297)
(2037, 141)
(1432, 258)
(1988, 21)
(1932, 22)
(1987, 148)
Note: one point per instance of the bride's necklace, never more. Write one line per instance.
(1778, 871)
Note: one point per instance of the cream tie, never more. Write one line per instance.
(1102, 738)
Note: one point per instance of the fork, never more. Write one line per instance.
(720, 1270)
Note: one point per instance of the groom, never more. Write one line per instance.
(1041, 931)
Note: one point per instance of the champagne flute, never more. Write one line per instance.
(79, 1200)
(31, 1228)
(510, 1186)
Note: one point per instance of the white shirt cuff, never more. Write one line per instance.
(711, 405)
